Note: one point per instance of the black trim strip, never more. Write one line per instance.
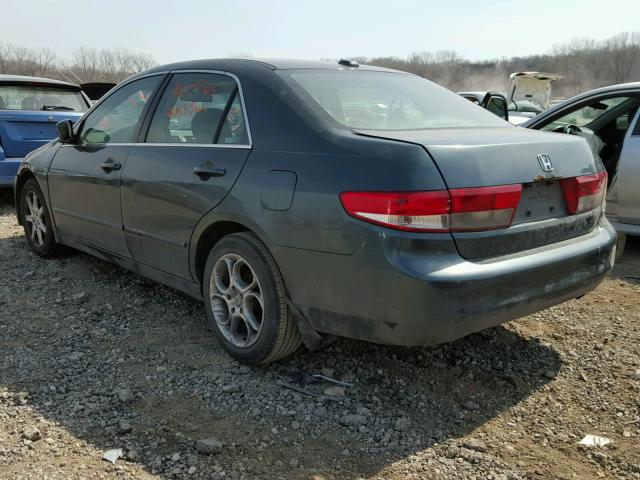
(225, 112)
(141, 233)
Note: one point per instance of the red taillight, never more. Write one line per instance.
(584, 193)
(463, 209)
(484, 208)
(412, 211)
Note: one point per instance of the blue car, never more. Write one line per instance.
(30, 107)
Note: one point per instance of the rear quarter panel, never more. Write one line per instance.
(315, 219)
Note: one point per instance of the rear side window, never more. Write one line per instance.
(32, 97)
(388, 101)
(198, 108)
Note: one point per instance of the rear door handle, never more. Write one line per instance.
(110, 165)
(207, 172)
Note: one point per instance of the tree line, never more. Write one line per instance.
(84, 65)
(586, 63)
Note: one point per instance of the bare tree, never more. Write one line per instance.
(586, 64)
(84, 64)
(622, 53)
(90, 65)
(6, 52)
(142, 61)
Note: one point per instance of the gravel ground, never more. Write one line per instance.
(95, 358)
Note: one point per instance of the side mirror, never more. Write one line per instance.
(65, 131)
(497, 104)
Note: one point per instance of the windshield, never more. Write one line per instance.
(389, 101)
(30, 97)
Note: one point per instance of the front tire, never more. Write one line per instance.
(36, 220)
(246, 301)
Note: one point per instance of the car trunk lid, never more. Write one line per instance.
(533, 86)
(486, 157)
(22, 131)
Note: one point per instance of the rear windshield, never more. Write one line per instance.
(31, 97)
(389, 101)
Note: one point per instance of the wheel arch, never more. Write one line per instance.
(211, 235)
(20, 181)
(219, 229)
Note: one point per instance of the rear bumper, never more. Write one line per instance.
(422, 294)
(8, 170)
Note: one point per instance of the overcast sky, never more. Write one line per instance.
(190, 29)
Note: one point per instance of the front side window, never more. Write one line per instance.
(115, 120)
(388, 101)
(197, 108)
(585, 115)
(33, 97)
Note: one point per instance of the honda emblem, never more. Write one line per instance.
(545, 162)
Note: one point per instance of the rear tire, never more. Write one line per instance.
(36, 221)
(246, 301)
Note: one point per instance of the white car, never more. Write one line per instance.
(527, 95)
(609, 119)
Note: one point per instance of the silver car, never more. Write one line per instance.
(609, 119)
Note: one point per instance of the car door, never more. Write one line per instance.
(84, 176)
(625, 187)
(192, 149)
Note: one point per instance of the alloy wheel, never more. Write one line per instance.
(236, 300)
(35, 218)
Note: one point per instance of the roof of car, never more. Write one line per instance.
(270, 63)
(26, 79)
(621, 87)
(610, 88)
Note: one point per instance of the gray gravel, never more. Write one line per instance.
(96, 358)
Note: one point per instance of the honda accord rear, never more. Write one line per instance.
(490, 225)
(332, 200)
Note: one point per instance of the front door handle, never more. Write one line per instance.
(110, 165)
(205, 172)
